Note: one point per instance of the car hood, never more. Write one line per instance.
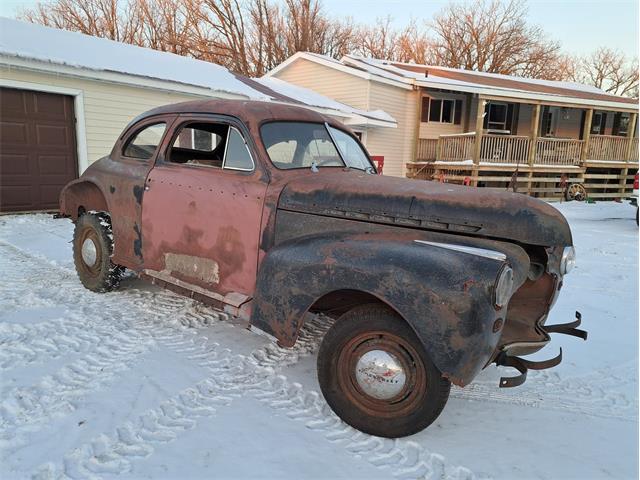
(426, 205)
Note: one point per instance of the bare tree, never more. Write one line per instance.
(377, 41)
(268, 36)
(300, 25)
(610, 71)
(253, 36)
(383, 41)
(492, 36)
(414, 46)
(219, 32)
(164, 25)
(113, 19)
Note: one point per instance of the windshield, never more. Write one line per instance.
(310, 145)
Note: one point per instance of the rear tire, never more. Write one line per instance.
(92, 249)
(376, 376)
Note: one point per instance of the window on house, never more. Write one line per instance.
(210, 145)
(598, 123)
(144, 143)
(437, 110)
(547, 121)
(620, 124)
(497, 116)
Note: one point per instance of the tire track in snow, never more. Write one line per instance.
(115, 339)
(48, 340)
(255, 375)
(88, 322)
(600, 393)
(406, 459)
(114, 347)
(114, 453)
(78, 329)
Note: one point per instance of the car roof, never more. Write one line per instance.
(251, 112)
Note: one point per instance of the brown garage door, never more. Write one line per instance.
(37, 149)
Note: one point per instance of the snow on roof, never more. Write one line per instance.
(535, 81)
(451, 77)
(396, 67)
(36, 42)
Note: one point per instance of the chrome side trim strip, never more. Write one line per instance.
(480, 252)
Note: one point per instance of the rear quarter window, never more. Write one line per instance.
(144, 143)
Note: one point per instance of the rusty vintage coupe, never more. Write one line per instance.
(273, 211)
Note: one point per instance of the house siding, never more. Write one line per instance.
(108, 108)
(327, 81)
(395, 144)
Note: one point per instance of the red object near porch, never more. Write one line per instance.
(379, 159)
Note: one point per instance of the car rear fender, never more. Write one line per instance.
(82, 195)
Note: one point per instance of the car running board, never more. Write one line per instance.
(523, 366)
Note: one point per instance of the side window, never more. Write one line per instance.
(211, 145)
(200, 144)
(196, 139)
(237, 156)
(145, 142)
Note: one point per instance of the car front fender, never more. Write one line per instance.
(446, 295)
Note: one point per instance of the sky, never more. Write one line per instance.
(580, 26)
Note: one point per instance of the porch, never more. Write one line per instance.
(543, 164)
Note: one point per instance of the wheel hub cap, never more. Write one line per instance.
(380, 375)
(89, 252)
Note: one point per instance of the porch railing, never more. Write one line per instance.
(504, 149)
(508, 149)
(612, 148)
(633, 151)
(427, 148)
(456, 147)
(558, 151)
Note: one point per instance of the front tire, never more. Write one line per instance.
(92, 249)
(374, 373)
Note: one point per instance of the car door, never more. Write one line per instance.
(202, 209)
(131, 160)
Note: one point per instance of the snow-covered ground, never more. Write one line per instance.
(142, 383)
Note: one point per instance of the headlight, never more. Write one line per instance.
(568, 260)
(504, 286)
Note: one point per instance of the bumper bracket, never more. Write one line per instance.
(523, 366)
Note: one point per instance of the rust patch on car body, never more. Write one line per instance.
(203, 269)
